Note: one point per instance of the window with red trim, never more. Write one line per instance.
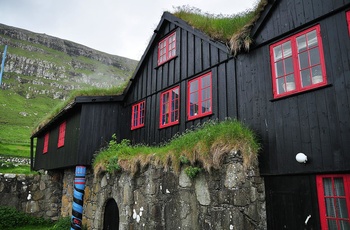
(46, 143)
(348, 19)
(61, 134)
(298, 63)
(167, 48)
(334, 201)
(138, 115)
(169, 107)
(199, 102)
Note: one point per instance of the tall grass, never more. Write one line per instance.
(204, 146)
(220, 27)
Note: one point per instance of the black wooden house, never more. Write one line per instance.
(74, 135)
(294, 91)
(292, 88)
(183, 78)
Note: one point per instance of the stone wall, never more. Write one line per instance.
(229, 198)
(39, 195)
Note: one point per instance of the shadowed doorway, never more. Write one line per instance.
(111, 216)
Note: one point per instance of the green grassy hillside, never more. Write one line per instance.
(40, 72)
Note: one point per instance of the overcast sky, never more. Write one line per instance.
(117, 27)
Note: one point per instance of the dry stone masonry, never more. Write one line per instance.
(39, 195)
(232, 197)
(229, 198)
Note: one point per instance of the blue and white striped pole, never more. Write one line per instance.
(78, 197)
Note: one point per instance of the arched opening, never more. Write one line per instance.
(111, 215)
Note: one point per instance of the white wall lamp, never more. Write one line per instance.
(301, 158)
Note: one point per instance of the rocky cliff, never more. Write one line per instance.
(42, 64)
(40, 71)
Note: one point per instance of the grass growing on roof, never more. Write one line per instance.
(220, 27)
(204, 146)
(116, 90)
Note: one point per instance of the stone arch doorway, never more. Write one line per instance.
(111, 215)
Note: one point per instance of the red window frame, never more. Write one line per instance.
(61, 134)
(167, 48)
(348, 20)
(169, 107)
(46, 143)
(199, 91)
(297, 63)
(138, 115)
(334, 200)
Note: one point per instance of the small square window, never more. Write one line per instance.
(334, 201)
(169, 107)
(297, 63)
(167, 48)
(199, 102)
(61, 134)
(138, 115)
(46, 143)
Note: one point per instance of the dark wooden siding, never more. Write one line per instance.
(59, 157)
(291, 199)
(195, 56)
(99, 121)
(288, 15)
(315, 122)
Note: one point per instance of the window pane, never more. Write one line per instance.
(341, 205)
(303, 60)
(315, 56)
(205, 94)
(344, 225)
(289, 65)
(301, 43)
(277, 52)
(206, 106)
(332, 225)
(327, 183)
(279, 68)
(176, 93)
(165, 98)
(194, 86)
(193, 109)
(280, 85)
(287, 49)
(305, 78)
(290, 84)
(316, 75)
(194, 98)
(312, 39)
(330, 209)
(206, 81)
(339, 186)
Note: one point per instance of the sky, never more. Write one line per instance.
(122, 28)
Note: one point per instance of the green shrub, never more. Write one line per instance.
(62, 224)
(192, 171)
(184, 160)
(10, 218)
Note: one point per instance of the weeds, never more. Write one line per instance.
(205, 146)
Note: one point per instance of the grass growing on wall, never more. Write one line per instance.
(204, 146)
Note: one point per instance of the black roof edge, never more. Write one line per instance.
(263, 17)
(74, 104)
